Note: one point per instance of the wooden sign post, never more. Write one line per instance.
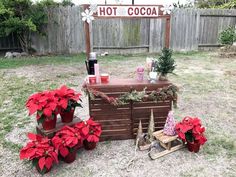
(125, 11)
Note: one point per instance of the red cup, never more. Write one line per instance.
(104, 78)
(92, 79)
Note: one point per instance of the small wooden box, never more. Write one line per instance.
(121, 122)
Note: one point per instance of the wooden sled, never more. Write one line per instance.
(169, 143)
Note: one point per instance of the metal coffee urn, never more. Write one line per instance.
(90, 63)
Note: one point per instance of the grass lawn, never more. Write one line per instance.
(207, 89)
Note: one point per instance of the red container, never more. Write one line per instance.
(92, 79)
(49, 123)
(70, 157)
(67, 117)
(193, 146)
(89, 145)
(104, 78)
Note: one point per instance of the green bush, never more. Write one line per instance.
(228, 36)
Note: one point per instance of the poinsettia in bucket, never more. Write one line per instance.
(190, 130)
(67, 141)
(67, 102)
(90, 131)
(41, 152)
(45, 104)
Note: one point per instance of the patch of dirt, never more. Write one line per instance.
(230, 73)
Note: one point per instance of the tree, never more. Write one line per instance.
(21, 17)
(165, 64)
(67, 3)
(188, 4)
(226, 4)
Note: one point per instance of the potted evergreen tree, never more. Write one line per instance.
(165, 64)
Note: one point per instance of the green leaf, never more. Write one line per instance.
(35, 162)
(40, 120)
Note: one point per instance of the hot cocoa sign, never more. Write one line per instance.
(130, 11)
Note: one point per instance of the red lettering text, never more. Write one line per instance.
(142, 11)
(102, 11)
(130, 11)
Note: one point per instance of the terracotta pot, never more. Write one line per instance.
(70, 157)
(44, 171)
(67, 117)
(193, 146)
(89, 145)
(49, 123)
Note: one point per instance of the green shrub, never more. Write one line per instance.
(228, 36)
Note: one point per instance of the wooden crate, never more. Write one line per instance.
(59, 125)
(121, 122)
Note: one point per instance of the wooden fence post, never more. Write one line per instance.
(167, 33)
(87, 35)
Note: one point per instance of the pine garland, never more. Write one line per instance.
(163, 94)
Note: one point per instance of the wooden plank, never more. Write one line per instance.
(143, 114)
(116, 127)
(114, 122)
(165, 152)
(151, 103)
(108, 117)
(115, 132)
(110, 113)
(120, 137)
(146, 120)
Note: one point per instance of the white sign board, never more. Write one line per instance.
(129, 11)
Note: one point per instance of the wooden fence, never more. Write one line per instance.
(9, 43)
(191, 29)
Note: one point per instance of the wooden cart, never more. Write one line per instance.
(121, 122)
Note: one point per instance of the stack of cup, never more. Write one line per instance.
(140, 73)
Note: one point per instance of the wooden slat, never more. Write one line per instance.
(146, 119)
(146, 112)
(151, 103)
(114, 122)
(116, 132)
(116, 127)
(109, 108)
(145, 124)
(146, 128)
(110, 113)
(120, 137)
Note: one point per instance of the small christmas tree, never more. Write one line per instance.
(151, 127)
(169, 128)
(165, 64)
(140, 136)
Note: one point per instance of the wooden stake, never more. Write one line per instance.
(87, 35)
(167, 33)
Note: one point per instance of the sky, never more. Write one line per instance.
(126, 1)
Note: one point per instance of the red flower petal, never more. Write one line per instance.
(47, 112)
(85, 131)
(48, 162)
(41, 163)
(64, 151)
(32, 109)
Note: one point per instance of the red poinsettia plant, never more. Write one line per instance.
(40, 151)
(67, 98)
(90, 130)
(44, 103)
(67, 140)
(191, 130)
